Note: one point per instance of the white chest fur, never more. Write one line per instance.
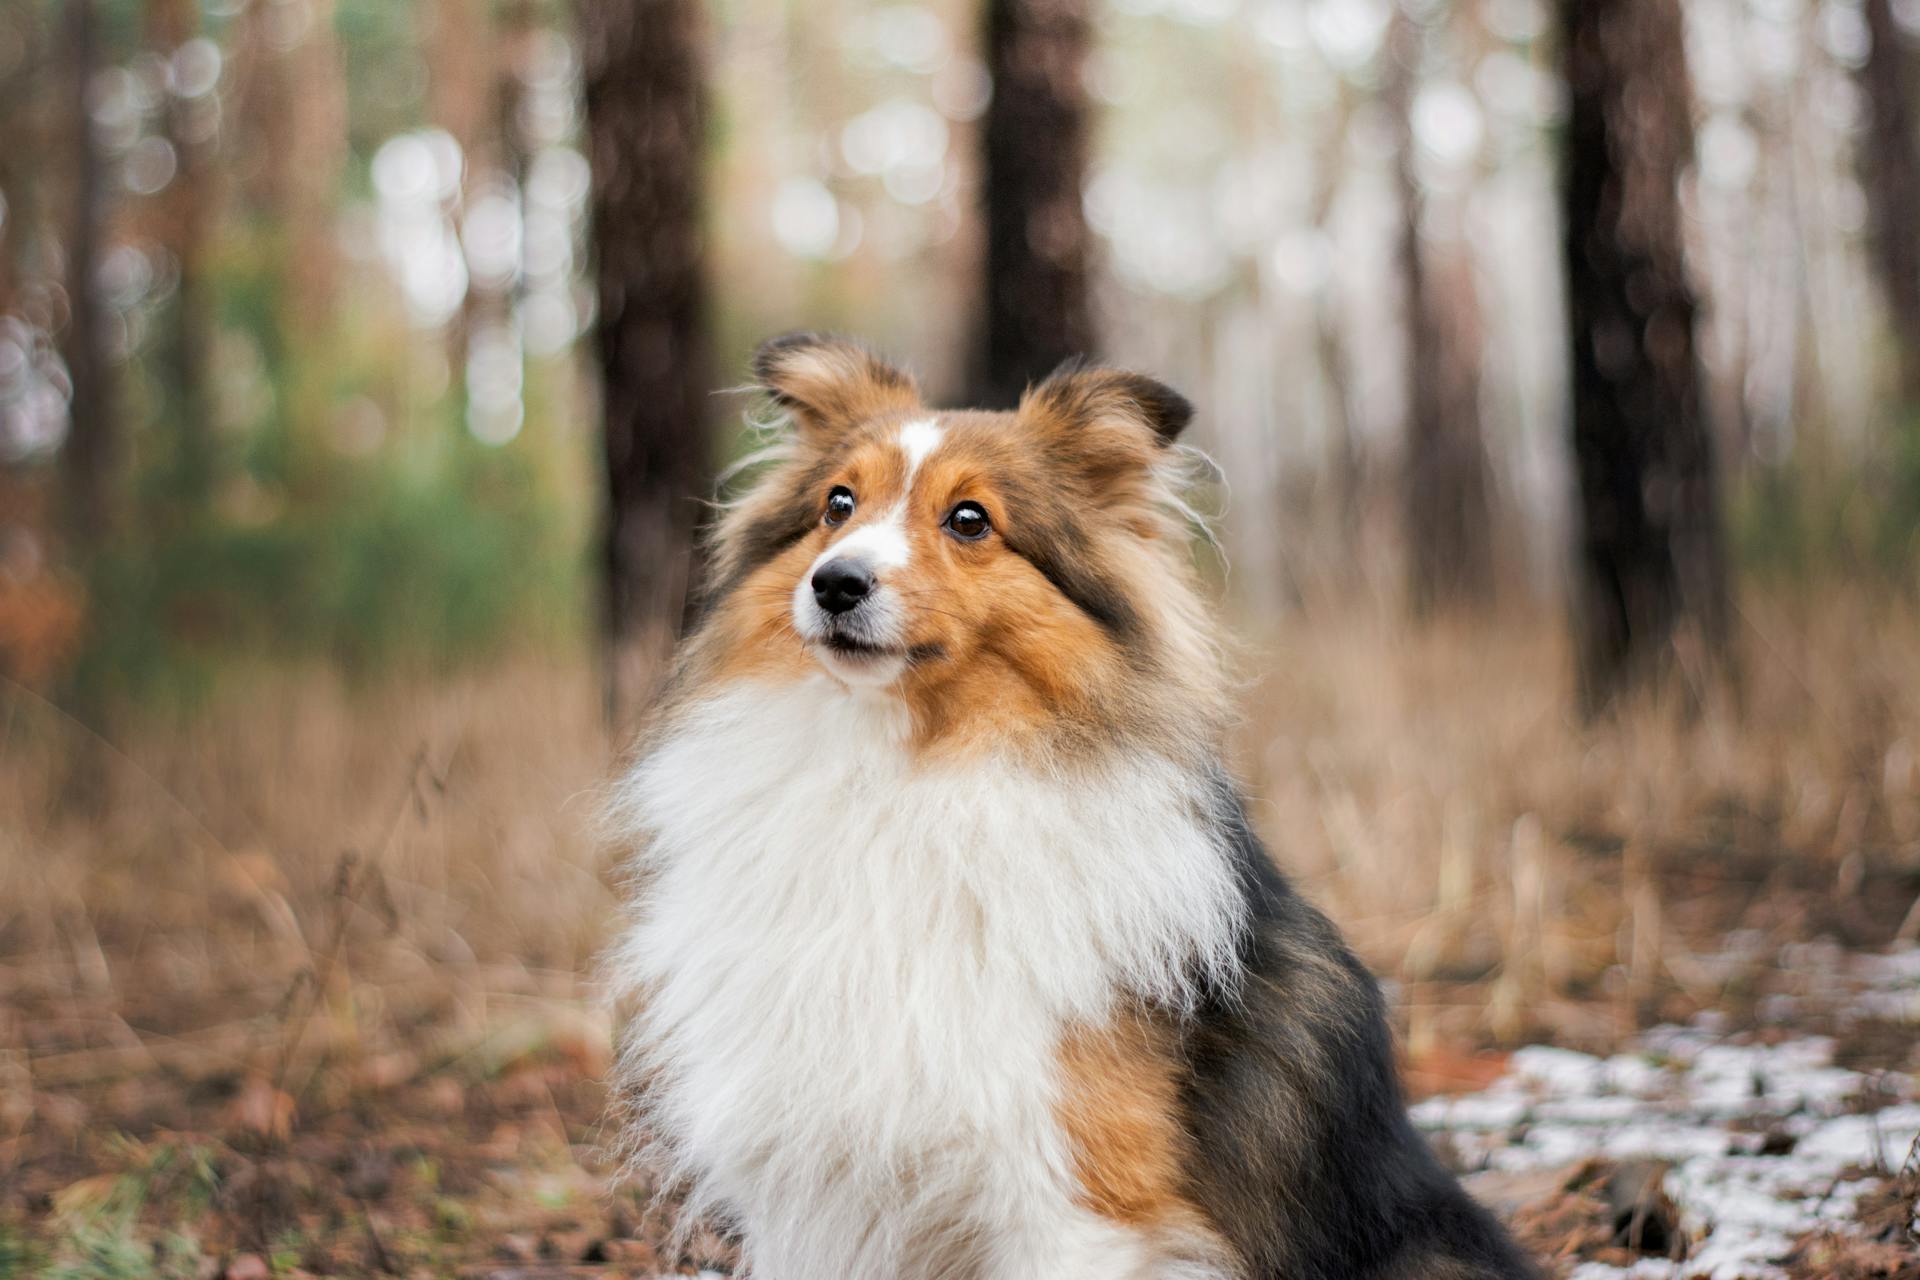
(856, 969)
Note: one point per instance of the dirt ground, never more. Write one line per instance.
(180, 1155)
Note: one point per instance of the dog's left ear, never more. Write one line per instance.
(1114, 422)
(1076, 396)
(830, 384)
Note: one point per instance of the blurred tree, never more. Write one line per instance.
(1892, 179)
(91, 456)
(1345, 459)
(1650, 589)
(646, 100)
(463, 65)
(305, 169)
(1449, 533)
(519, 35)
(1035, 138)
(17, 150)
(519, 31)
(291, 114)
(516, 34)
(183, 221)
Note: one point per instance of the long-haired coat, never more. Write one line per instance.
(951, 952)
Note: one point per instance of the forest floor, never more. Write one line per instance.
(305, 987)
(1780, 1140)
(1789, 1147)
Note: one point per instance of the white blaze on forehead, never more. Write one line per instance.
(882, 544)
(918, 439)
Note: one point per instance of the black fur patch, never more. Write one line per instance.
(1049, 538)
(1304, 1155)
(1092, 594)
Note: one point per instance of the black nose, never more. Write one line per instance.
(841, 584)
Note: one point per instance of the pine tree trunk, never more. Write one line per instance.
(460, 91)
(292, 112)
(1651, 587)
(289, 138)
(309, 172)
(16, 166)
(27, 136)
(646, 125)
(1036, 310)
(1892, 178)
(519, 33)
(91, 456)
(184, 208)
(1448, 518)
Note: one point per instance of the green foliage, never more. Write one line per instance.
(17, 1256)
(1900, 524)
(1807, 518)
(104, 1236)
(293, 479)
(295, 536)
(111, 1250)
(451, 1218)
(431, 563)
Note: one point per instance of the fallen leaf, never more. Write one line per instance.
(248, 1266)
(262, 1109)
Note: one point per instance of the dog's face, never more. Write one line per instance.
(909, 565)
(909, 548)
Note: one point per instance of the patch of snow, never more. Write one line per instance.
(1704, 1102)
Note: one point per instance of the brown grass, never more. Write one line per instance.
(302, 874)
(1435, 791)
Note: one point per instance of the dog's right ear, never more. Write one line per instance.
(829, 384)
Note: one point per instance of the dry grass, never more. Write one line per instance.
(303, 874)
(1436, 792)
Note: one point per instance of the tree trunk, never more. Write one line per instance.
(1034, 164)
(183, 209)
(91, 457)
(18, 145)
(1448, 519)
(646, 126)
(519, 32)
(1651, 588)
(289, 139)
(292, 110)
(460, 92)
(1892, 179)
(309, 171)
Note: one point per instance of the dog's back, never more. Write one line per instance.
(1310, 1166)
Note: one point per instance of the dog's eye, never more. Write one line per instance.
(839, 504)
(968, 522)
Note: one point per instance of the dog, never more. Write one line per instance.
(950, 951)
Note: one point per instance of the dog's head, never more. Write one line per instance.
(1035, 559)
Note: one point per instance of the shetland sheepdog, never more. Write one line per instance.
(951, 952)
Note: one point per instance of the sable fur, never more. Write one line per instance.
(951, 953)
(1312, 1168)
